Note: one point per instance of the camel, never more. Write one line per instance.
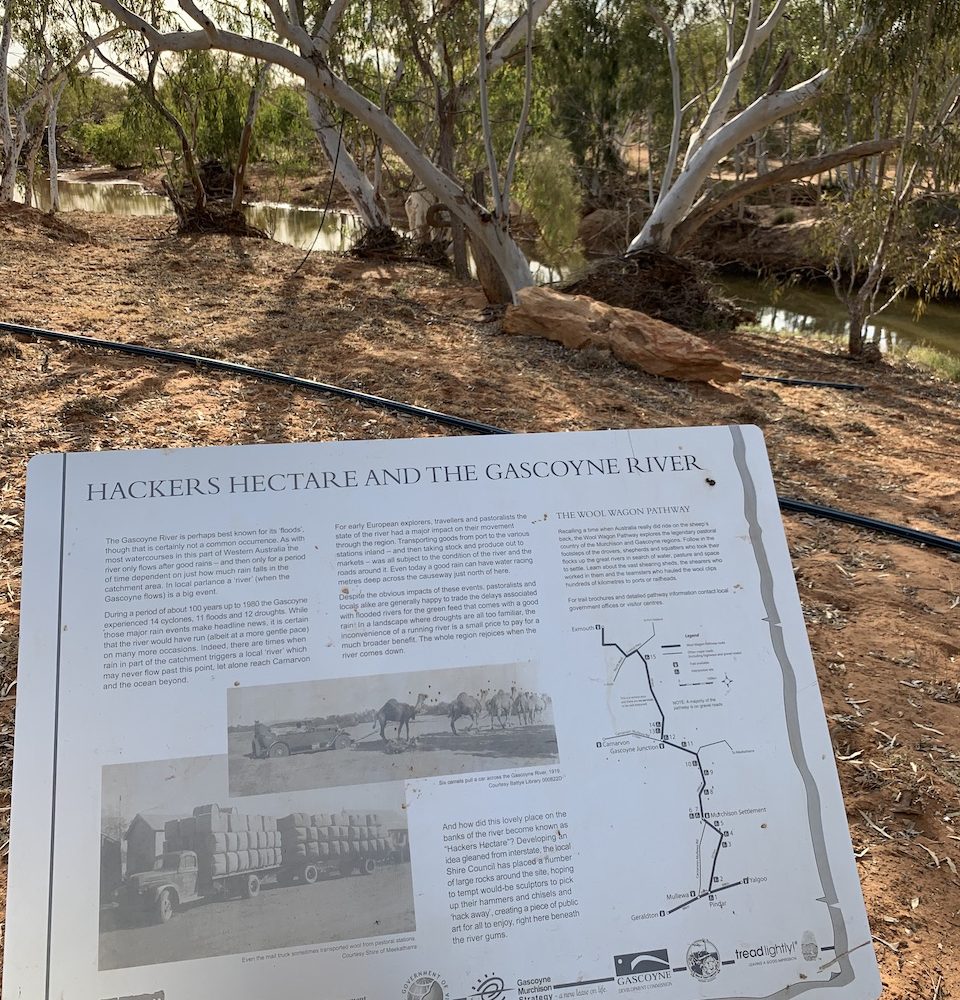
(399, 712)
(466, 704)
(499, 706)
(522, 708)
(539, 706)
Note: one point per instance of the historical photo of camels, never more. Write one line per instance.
(387, 727)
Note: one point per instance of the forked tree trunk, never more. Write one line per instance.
(495, 285)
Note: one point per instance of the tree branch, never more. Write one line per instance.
(791, 172)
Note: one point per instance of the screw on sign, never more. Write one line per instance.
(703, 960)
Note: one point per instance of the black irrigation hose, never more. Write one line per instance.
(871, 523)
(264, 373)
(797, 506)
(849, 386)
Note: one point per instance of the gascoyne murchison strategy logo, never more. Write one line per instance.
(642, 966)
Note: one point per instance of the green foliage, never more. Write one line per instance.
(547, 186)
(939, 362)
(208, 92)
(603, 64)
(282, 132)
(109, 141)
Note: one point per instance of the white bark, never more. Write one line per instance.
(321, 79)
(682, 194)
(6, 124)
(755, 34)
(348, 174)
(52, 147)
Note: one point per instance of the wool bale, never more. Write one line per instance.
(205, 823)
(334, 846)
(231, 841)
(364, 846)
(218, 864)
(246, 842)
(313, 834)
(270, 823)
(354, 833)
(313, 851)
(255, 859)
(255, 823)
(236, 823)
(243, 858)
(233, 862)
(210, 809)
(323, 834)
(213, 843)
(370, 819)
(324, 848)
(298, 835)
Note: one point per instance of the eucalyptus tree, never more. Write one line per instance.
(292, 47)
(601, 65)
(749, 30)
(51, 49)
(883, 234)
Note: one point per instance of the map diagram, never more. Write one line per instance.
(656, 685)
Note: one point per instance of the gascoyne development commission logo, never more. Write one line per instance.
(426, 985)
(703, 960)
(642, 968)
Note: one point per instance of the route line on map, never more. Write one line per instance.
(676, 746)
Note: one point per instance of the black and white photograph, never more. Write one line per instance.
(385, 727)
(185, 874)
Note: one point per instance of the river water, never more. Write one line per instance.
(799, 308)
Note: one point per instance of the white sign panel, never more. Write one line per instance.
(518, 717)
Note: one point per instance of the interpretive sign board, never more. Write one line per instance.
(528, 716)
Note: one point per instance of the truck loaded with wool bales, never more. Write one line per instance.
(218, 853)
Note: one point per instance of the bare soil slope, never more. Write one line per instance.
(882, 614)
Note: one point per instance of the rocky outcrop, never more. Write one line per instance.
(635, 339)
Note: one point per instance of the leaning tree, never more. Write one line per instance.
(292, 48)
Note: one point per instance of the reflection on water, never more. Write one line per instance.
(116, 198)
(299, 227)
(809, 309)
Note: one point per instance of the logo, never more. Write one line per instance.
(490, 987)
(641, 961)
(703, 960)
(809, 947)
(426, 985)
(777, 951)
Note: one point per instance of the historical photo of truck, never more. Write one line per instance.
(181, 881)
(385, 727)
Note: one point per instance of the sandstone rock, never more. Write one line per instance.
(639, 341)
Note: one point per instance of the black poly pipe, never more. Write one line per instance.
(264, 373)
(797, 506)
(849, 386)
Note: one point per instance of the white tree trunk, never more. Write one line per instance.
(348, 174)
(673, 207)
(52, 149)
(320, 79)
(9, 171)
